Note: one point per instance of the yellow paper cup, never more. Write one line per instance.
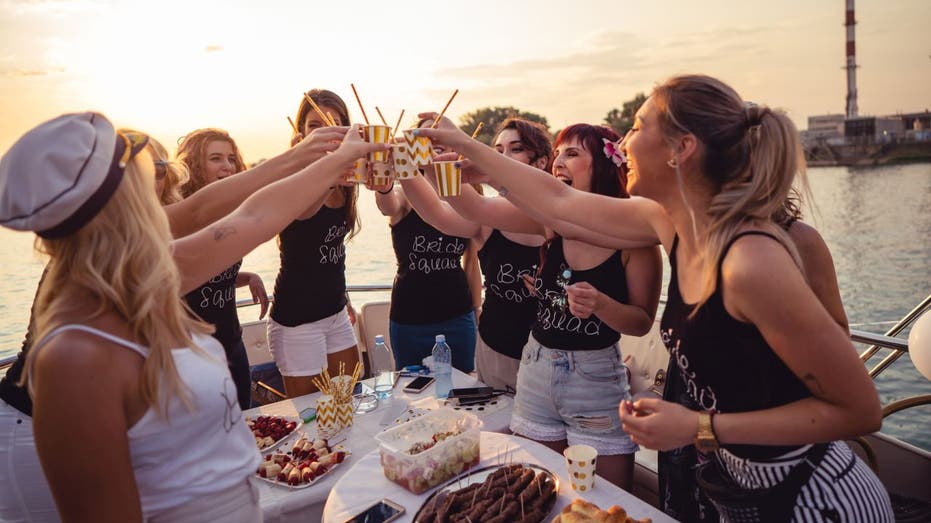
(404, 167)
(359, 171)
(381, 173)
(377, 134)
(580, 460)
(419, 148)
(448, 178)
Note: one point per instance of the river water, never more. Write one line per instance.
(876, 221)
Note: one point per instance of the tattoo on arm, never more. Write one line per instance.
(220, 232)
(813, 384)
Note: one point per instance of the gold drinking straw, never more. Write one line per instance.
(397, 125)
(316, 109)
(366, 118)
(440, 117)
(293, 126)
(478, 129)
(330, 119)
(381, 116)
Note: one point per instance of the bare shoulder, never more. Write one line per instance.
(756, 265)
(84, 357)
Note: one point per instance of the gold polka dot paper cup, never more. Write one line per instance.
(381, 173)
(359, 172)
(419, 148)
(404, 167)
(448, 178)
(580, 461)
(377, 134)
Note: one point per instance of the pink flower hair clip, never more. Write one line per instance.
(613, 152)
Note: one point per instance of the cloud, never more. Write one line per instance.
(27, 73)
(213, 48)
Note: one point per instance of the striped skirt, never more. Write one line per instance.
(842, 488)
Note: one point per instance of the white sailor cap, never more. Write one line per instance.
(59, 175)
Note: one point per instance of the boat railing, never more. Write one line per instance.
(877, 342)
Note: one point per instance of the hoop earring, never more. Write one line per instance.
(673, 162)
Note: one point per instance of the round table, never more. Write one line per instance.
(365, 484)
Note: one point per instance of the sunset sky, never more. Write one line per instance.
(167, 67)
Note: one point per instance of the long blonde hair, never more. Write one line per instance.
(121, 259)
(750, 155)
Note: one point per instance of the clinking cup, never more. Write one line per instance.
(419, 148)
(378, 134)
(381, 173)
(448, 178)
(404, 167)
(359, 172)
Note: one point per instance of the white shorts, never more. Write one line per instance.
(24, 493)
(302, 350)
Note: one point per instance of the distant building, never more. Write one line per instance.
(874, 129)
(823, 128)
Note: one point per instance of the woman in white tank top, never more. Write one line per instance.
(134, 412)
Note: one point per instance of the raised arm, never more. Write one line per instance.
(639, 221)
(220, 198)
(435, 211)
(495, 212)
(262, 215)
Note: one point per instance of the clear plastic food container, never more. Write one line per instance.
(445, 443)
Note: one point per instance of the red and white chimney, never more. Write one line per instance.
(850, 23)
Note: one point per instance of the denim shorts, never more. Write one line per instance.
(572, 395)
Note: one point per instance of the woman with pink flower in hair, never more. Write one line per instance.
(571, 376)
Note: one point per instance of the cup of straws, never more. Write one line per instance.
(335, 406)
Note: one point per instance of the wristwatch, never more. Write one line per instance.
(705, 440)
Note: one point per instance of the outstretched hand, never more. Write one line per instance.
(318, 143)
(446, 134)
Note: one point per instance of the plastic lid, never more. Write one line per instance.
(441, 337)
(380, 338)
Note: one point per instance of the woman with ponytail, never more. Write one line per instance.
(774, 381)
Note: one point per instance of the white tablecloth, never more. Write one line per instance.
(365, 483)
(283, 505)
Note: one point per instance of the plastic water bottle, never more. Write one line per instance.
(384, 368)
(442, 367)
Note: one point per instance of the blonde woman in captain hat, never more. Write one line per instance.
(122, 380)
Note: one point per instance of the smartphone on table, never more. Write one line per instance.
(472, 393)
(381, 512)
(418, 384)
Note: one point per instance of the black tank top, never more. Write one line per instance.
(430, 285)
(215, 303)
(555, 326)
(724, 364)
(311, 283)
(509, 309)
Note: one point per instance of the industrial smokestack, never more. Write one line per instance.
(851, 62)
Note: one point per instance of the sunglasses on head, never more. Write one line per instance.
(161, 169)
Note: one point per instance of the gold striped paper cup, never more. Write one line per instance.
(378, 134)
(404, 167)
(419, 148)
(448, 178)
(359, 171)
